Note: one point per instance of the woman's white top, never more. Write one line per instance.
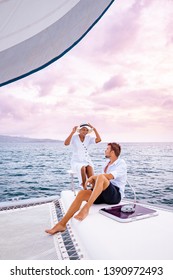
(80, 149)
(80, 156)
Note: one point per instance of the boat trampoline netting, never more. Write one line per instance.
(34, 34)
(26, 239)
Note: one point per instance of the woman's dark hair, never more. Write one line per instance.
(116, 148)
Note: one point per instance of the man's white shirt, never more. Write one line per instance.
(119, 171)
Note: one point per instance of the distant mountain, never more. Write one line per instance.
(6, 138)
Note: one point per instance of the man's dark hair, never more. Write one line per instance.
(116, 148)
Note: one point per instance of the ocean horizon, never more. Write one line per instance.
(11, 138)
(32, 168)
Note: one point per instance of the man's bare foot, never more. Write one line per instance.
(57, 228)
(83, 213)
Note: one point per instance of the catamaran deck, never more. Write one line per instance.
(104, 238)
(22, 234)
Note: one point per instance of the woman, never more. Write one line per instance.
(81, 162)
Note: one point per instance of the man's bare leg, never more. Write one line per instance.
(83, 195)
(101, 184)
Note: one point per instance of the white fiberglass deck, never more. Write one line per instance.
(103, 238)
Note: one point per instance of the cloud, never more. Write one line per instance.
(119, 78)
(168, 103)
(133, 99)
(113, 82)
(15, 108)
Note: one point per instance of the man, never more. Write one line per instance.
(106, 188)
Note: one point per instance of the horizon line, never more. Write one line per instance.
(53, 139)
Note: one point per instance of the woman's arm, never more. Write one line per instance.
(98, 138)
(67, 141)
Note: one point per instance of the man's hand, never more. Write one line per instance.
(91, 181)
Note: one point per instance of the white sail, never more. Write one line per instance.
(35, 33)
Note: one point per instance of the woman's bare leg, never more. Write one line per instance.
(83, 195)
(101, 184)
(89, 171)
(83, 175)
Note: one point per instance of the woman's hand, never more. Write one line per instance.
(98, 138)
(74, 129)
(67, 141)
(91, 126)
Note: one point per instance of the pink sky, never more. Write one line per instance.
(119, 78)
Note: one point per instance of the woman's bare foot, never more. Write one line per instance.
(57, 228)
(83, 213)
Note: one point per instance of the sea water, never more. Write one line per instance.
(31, 169)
